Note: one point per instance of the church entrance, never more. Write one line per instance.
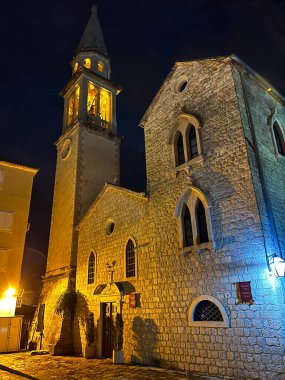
(109, 310)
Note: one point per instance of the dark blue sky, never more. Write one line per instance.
(144, 39)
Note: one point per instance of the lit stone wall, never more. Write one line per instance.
(15, 194)
(168, 281)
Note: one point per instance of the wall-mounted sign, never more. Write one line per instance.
(244, 294)
(132, 300)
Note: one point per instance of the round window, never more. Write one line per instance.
(66, 149)
(110, 226)
(181, 84)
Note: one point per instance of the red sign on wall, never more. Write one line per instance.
(132, 300)
(244, 294)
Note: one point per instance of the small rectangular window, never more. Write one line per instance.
(6, 221)
(4, 256)
(2, 174)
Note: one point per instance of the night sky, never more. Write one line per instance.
(144, 39)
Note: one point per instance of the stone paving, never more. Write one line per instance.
(46, 367)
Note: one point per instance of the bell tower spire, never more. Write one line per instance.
(92, 52)
(92, 39)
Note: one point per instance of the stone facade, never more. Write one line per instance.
(238, 177)
(16, 183)
(170, 277)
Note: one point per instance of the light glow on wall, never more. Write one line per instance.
(8, 303)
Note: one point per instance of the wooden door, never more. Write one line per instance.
(108, 330)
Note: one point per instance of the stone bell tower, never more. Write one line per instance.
(87, 157)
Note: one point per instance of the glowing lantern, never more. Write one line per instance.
(8, 303)
(277, 266)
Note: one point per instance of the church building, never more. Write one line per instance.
(194, 265)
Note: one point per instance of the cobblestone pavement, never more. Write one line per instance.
(46, 367)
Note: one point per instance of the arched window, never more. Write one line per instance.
(91, 268)
(193, 147)
(278, 139)
(207, 311)
(130, 259)
(193, 213)
(75, 68)
(180, 150)
(187, 228)
(202, 236)
(100, 66)
(87, 63)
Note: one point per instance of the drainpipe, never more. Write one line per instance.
(265, 194)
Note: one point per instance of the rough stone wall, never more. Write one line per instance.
(158, 332)
(128, 213)
(246, 349)
(63, 210)
(99, 163)
(261, 103)
(50, 294)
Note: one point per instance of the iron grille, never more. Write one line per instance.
(207, 311)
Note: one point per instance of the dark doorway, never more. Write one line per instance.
(108, 315)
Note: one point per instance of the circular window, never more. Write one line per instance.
(181, 84)
(110, 226)
(66, 149)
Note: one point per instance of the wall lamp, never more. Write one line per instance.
(276, 265)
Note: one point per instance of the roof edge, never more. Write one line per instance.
(21, 167)
(107, 186)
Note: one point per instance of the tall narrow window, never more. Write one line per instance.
(105, 105)
(180, 150)
(187, 228)
(73, 103)
(75, 68)
(278, 139)
(201, 224)
(130, 259)
(91, 268)
(2, 174)
(193, 143)
(92, 104)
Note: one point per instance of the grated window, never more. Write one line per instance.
(207, 311)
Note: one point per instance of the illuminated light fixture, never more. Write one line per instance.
(276, 266)
(269, 89)
(8, 303)
(10, 292)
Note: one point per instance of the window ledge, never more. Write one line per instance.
(190, 165)
(207, 324)
(199, 248)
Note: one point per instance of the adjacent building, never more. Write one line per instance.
(192, 264)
